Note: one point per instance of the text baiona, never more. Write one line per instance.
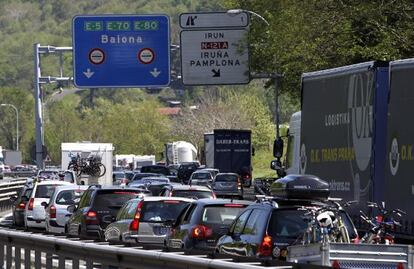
(120, 39)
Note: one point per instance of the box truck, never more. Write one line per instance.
(354, 131)
(85, 150)
(230, 150)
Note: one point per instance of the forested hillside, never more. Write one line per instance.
(302, 36)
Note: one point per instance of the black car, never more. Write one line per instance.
(185, 170)
(97, 208)
(199, 227)
(265, 229)
(19, 204)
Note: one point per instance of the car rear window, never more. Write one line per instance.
(159, 211)
(193, 194)
(118, 175)
(201, 176)
(221, 214)
(155, 170)
(113, 198)
(288, 223)
(159, 180)
(68, 197)
(226, 178)
(45, 191)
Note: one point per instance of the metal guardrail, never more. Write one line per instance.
(19, 174)
(8, 189)
(18, 247)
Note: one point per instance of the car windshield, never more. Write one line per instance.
(68, 197)
(201, 176)
(226, 178)
(45, 191)
(192, 194)
(159, 211)
(221, 214)
(288, 223)
(114, 198)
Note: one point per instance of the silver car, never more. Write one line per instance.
(154, 214)
(56, 209)
(228, 184)
(202, 178)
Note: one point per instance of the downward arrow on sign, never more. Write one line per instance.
(88, 73)
(216, 73)
(155, 73)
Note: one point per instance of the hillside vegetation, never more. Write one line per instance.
(302, 36)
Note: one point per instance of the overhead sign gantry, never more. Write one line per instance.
(121, 51)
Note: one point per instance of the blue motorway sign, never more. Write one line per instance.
(121, 51)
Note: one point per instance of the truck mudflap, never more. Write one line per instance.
(342, 255)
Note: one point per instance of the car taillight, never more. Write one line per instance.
(265, 248)
(201, 232)
(31, 202)
(21, 206)
(134, 226)
(91, 218)
(52, 212)
(238, 183)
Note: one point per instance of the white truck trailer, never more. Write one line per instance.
(131, 161)
(86, 149)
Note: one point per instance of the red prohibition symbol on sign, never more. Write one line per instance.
(146, 55)
(96, 56)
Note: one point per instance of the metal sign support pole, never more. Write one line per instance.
(38, 111)
(38, 50)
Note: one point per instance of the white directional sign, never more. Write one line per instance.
(212, 57)
(214, 20)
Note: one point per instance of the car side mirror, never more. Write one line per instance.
(71, 208)
(44, 204)
(278, 148)
(13, 198)
(277, 165)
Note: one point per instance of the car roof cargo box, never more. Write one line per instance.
(305, 187)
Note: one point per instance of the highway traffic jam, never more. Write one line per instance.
(199, 212)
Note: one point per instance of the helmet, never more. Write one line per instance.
(326, 219)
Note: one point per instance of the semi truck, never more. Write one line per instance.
(354, 131)
(230, 151)
(180, 152)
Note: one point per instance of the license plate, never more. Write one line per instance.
(160, 230)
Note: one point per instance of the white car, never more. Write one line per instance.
(57, 213)
(35, 211)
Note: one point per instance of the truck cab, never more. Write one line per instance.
(292, 157)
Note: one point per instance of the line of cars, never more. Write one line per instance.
(180, 217)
